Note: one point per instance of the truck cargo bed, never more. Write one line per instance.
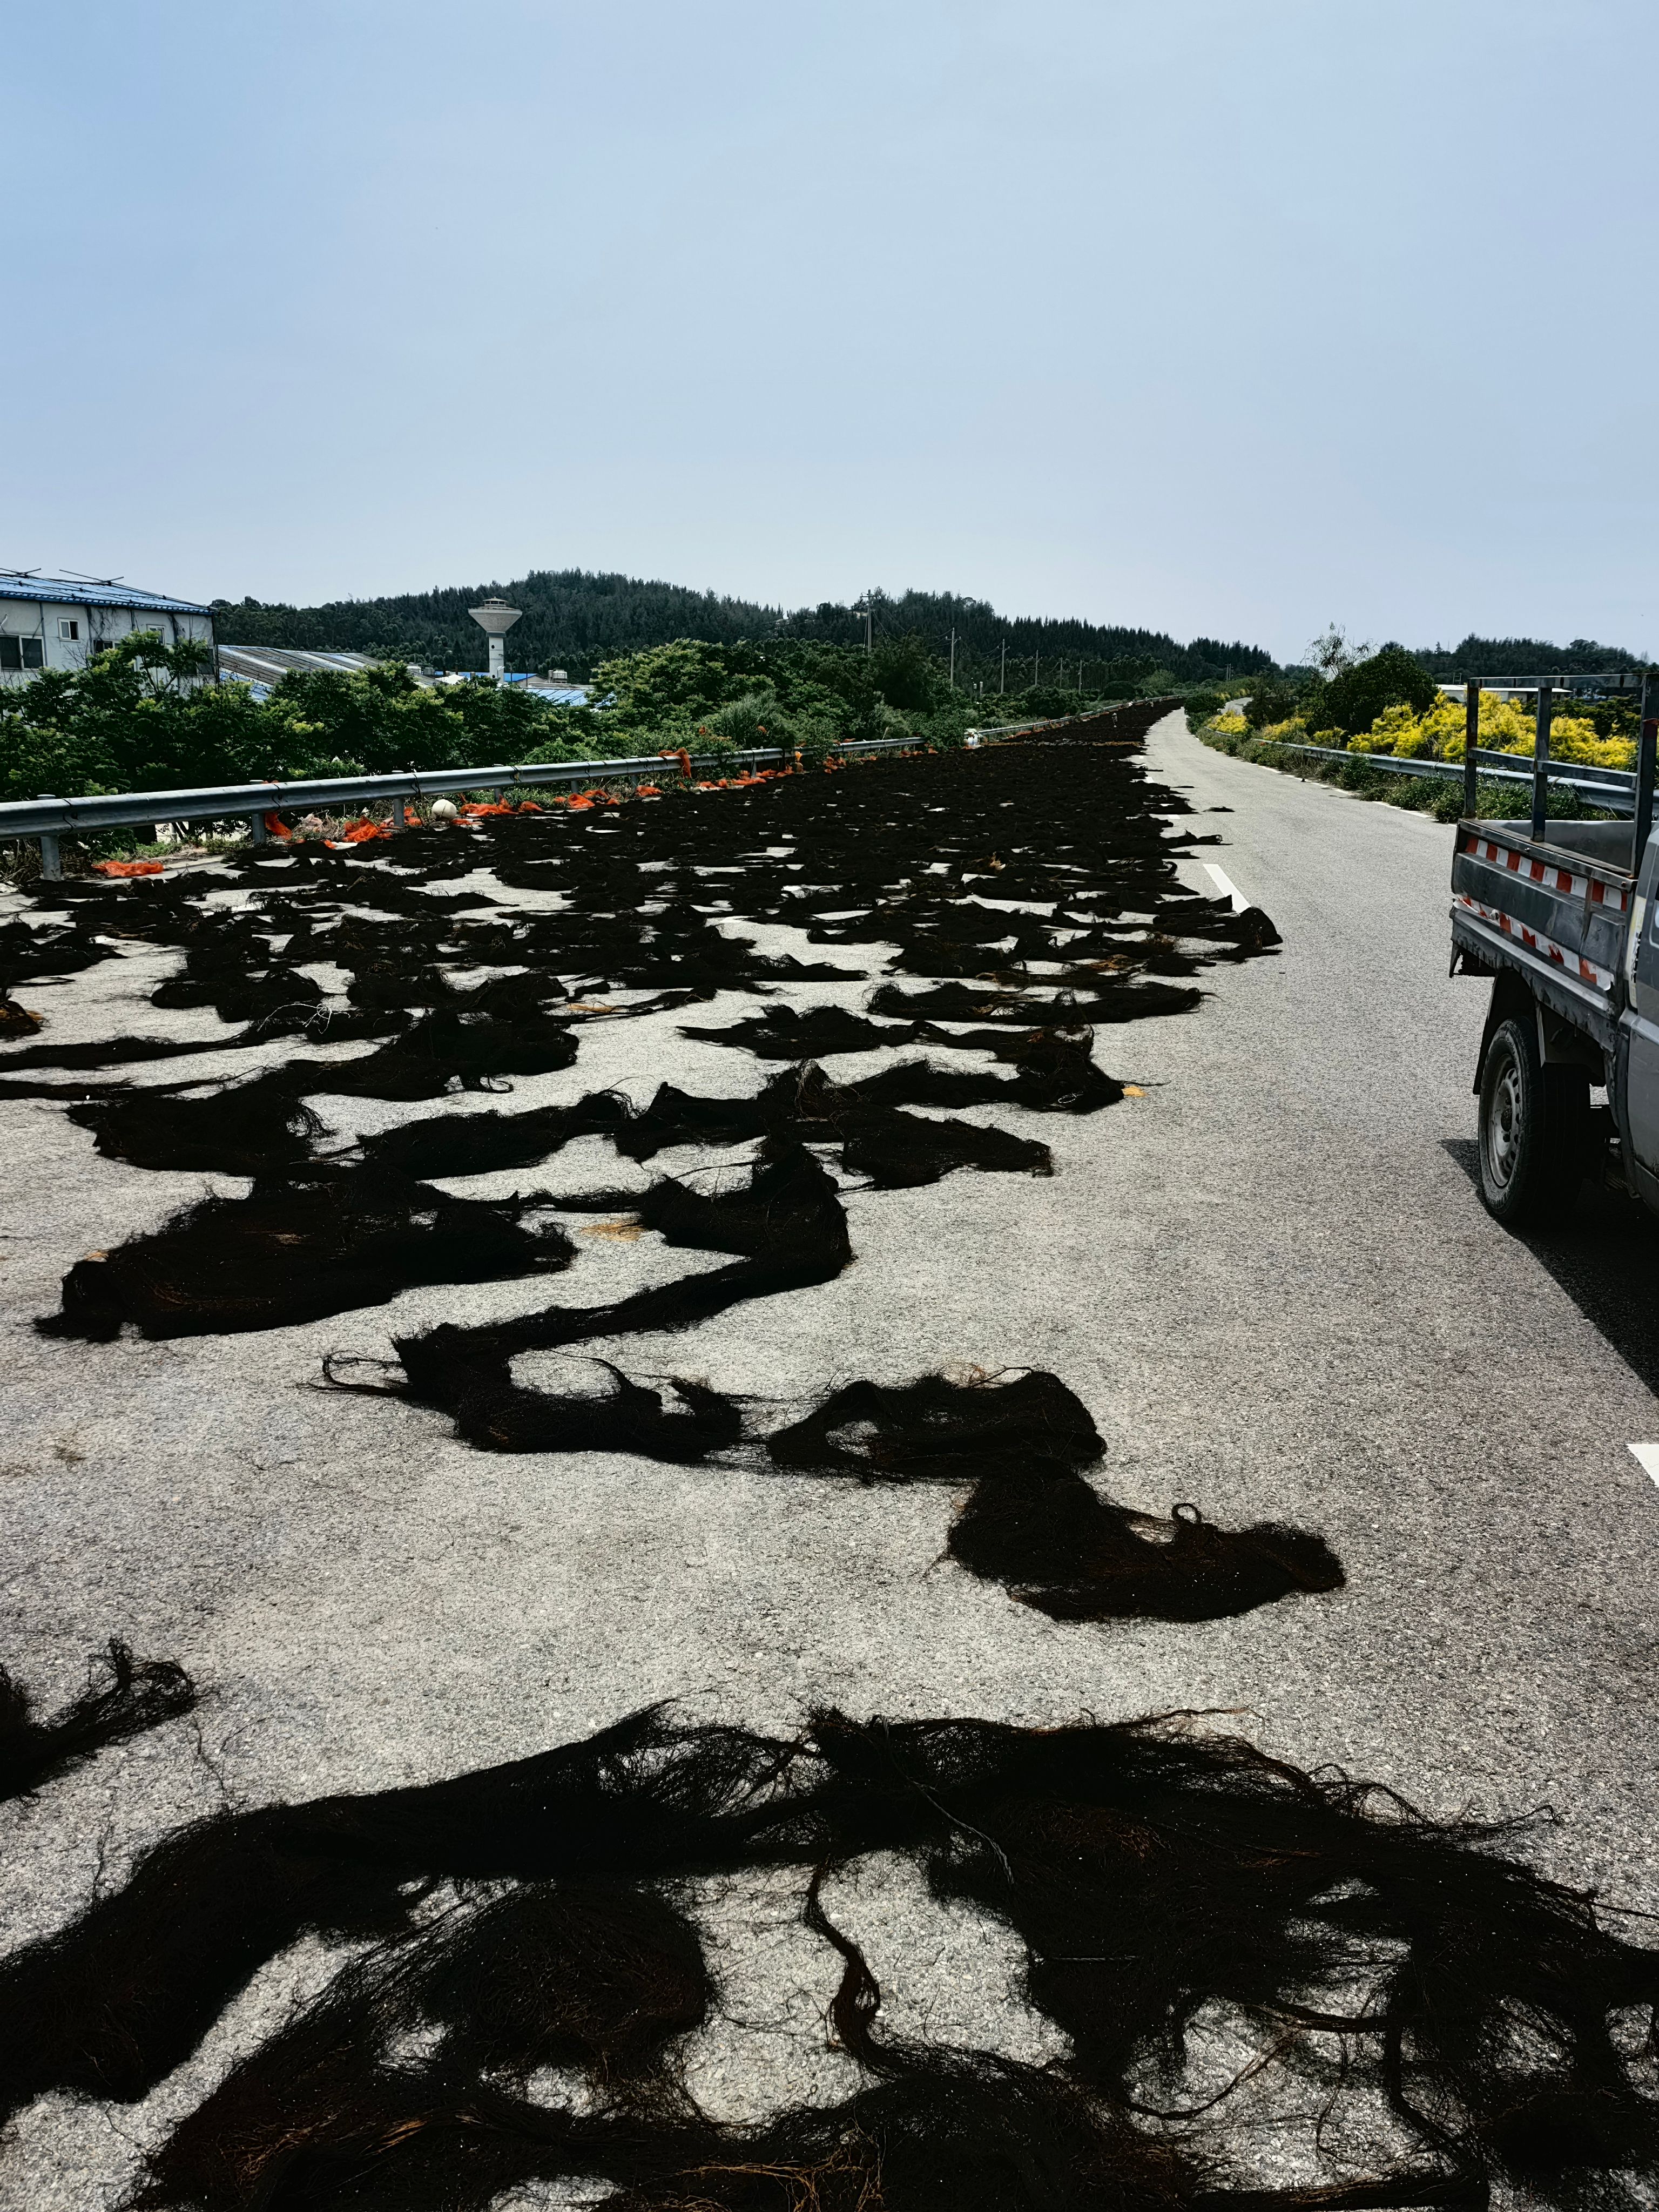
(1553, 908)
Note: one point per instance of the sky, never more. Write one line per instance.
(1222, 317)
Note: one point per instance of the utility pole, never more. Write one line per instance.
(1003, 684)
(953, 660)
(1037, 662)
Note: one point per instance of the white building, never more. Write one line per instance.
(54, 622)
(264, 665)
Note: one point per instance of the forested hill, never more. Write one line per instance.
(570, 618)
(1488, 657)
(573, 619)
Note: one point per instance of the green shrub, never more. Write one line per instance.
(1272, 701)
(713, 755)
(908, 676)
(1353, 700)
(755, 719)
(817, 740)
(1203, 707)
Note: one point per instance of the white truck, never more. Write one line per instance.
(1564, 917)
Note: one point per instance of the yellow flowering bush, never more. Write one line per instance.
(1397, 730)
(1230, 726)
(1507, 726)
(1573, 738)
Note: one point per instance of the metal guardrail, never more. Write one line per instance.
(52, 819)
(1613, 789)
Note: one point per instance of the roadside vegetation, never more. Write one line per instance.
(147, 716)
(1363, 704)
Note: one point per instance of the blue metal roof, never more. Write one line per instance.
(68, 591)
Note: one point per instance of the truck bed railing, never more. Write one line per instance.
(1554, 912)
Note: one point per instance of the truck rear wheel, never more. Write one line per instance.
(1534, 1129)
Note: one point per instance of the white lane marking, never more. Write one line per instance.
(1227, 887)
(1647, 1457)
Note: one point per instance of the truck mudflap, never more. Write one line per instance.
(1551, 916)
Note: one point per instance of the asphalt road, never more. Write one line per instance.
(1270, 1279)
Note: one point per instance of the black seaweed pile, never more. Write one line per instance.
(1423, 2017)
(299, 1247)
(124, 1696)
(1031, 1520)
(1035, 884)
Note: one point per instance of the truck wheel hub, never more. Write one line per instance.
(1503, 1124)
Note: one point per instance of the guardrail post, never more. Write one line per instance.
(1541, 757)
(258, 833)
(1471, 744)
(51, 858)
(1646, 746)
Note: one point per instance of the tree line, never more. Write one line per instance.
(574, 619)
(1491, 657)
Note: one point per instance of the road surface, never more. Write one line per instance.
(1269, 1278)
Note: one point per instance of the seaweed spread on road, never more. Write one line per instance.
(124, 1696)
(1238, 1954)
(533, 1922)
(1035, 884)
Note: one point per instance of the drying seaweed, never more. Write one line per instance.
(781, 1033)
(17, 1022)
(477, 1144)
(933, 1429)
(1056, 1544)
(475, 1388)
(891, 1149)
(1052, 1075)
(322, 1023)
(785, 1219)
(1032, 1520)
(445, 1049)
(112, 1052)
(258, 1128)
(1372, 1959)
(960, 1002)
(26, 952)
(898, 1151)
(681, 1117)
(297, 1248)
(1072, 842)
(133, 1696)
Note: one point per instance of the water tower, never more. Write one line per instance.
(495, 617)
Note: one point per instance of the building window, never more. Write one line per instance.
(22, 653)
(67, 628)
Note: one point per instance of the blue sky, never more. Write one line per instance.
(1224, 316)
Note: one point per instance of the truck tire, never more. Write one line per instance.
(1534, 1129)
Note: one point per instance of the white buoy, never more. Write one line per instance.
(444, 809)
